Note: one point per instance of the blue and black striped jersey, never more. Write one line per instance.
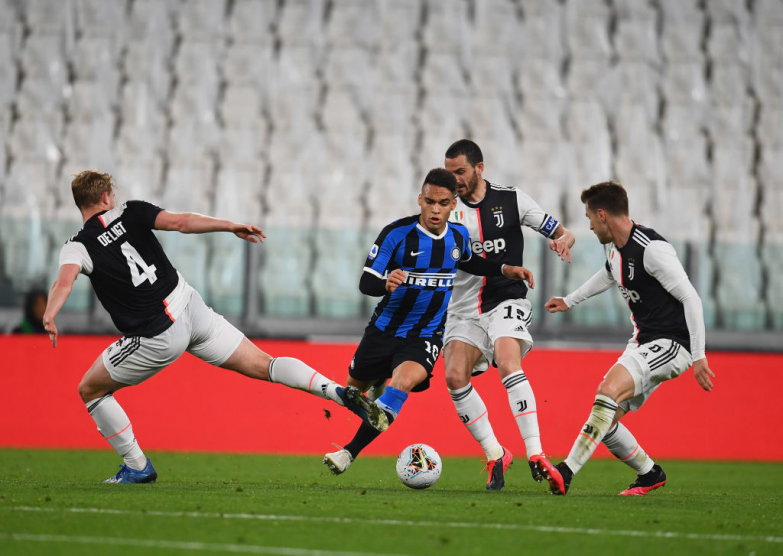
(417, 308)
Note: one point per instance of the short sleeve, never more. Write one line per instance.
(74, 252)
(144, 212)
(381, 253)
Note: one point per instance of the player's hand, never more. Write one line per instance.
(556, 305)
(703, 374)
(395, 278)
(519, 273)
(562, 245)
(253, 234)
(51, 329)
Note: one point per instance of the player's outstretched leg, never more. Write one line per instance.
(369, 411)
(655, 478)
(114, 425)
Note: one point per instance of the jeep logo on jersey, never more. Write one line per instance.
(489, 246)
(630, 295)
(497, 212)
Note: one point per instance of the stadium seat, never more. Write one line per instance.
(52, 18)
(541, 118)
(89, 145)
(286, 270)
(25, 247)
(739, 281)
(43, 60)
(447, 26)
(726, 12)
(189, 187)
(189, 253)
(352, 23)
(244, 146)
(196, 63)
(587, 30)
(543, 30)
(35, 140)
(139, 178)
(251, 21)
(587, 79)
(340, 256)
(541, 78)
(772, 259)
(201, 20)
(97, 18)
(681, 32)
(301, 22)
(607, 309)
(636, 40)
(96, 59)
(726, 45)
(146, 62)
(90, 101)
(770, 126)
(250, 65)
(495, 25)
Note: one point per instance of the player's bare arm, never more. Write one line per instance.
(395, 278)
(556, 305)
(703, 374)
(518, 273)
(562, 242)
(58, 295)
(194, 223)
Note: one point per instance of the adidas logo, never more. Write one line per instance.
(519, 328)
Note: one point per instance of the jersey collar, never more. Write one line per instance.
(426, 232)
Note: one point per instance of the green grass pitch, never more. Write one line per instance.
(53, 502)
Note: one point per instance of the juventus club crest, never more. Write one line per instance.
(497, 212)
(630, 269)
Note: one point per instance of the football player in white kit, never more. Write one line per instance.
(668, 336)
(159, 313)
(488, 317)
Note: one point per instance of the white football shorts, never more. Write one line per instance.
(510, 319)
(198, 330)
(650, 365)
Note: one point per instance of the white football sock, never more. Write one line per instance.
(523, 407)
(473, 414)
(115, 427)
(296, 374)
(593, 432)
(624, 446)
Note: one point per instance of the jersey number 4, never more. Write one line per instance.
(140, 271)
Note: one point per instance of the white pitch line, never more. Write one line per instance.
(405, 523)
(182, 545)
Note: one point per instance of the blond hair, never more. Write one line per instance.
(87, 187)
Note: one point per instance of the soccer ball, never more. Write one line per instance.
(419, 466)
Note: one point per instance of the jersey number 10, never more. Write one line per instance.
(140, 271)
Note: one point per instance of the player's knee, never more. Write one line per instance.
(609, 390)
(456, 381)
(88, 392)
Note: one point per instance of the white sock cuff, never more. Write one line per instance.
(605, 402)
(461, 393)
(514, 379)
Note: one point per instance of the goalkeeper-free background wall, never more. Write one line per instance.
(191, 406)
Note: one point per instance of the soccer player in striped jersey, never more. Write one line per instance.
(159, 314)
(668, 335)
(489, 316)
(412, 264)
